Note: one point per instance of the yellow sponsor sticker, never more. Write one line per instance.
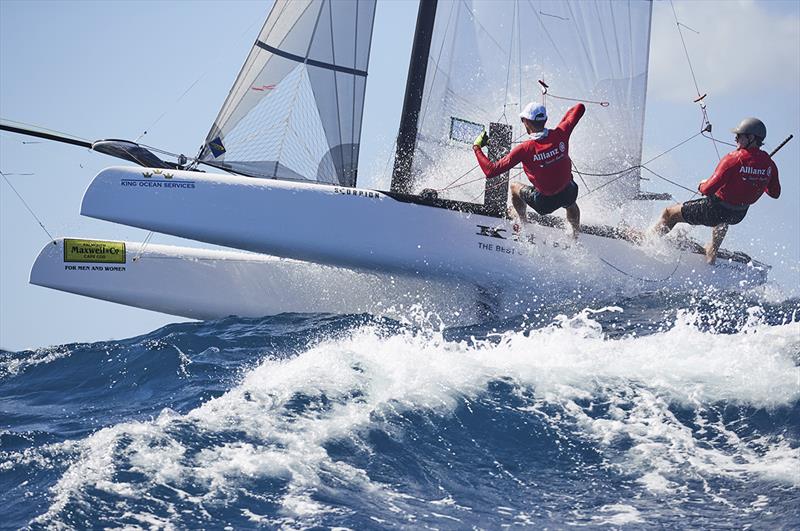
(95, 251)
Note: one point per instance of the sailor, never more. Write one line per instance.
(545, 159)
(740, 179)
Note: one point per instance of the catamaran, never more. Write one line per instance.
(284, 153)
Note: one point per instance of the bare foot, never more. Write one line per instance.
(573, 233)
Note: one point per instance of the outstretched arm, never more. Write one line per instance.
(571, 118)
(493, 169)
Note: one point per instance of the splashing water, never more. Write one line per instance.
(646, 413)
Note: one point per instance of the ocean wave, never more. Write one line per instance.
(604, 416)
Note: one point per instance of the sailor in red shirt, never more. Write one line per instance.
(740, 179)
(545, 159)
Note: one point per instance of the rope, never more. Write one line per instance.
(670, 182)
(545, 93)
(676, 146)
(497, 184)
(615, 268)
(29, 209)
(622, 173)
(718, 141)
(453, 183)
(580, 175)
(617, 174)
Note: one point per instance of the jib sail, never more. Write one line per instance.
(295, 109)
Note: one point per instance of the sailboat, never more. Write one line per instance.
(307, 238)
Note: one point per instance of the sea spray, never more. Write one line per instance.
(593, 417)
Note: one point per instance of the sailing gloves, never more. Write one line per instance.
(481, 140)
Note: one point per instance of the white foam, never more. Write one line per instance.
(369, 375)
(621, 515)
(41, 356)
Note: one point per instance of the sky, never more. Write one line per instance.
(120, 69)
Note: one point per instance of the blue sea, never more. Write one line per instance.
(652, 412)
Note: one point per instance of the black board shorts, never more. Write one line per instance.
(710, 212)
(547, 204)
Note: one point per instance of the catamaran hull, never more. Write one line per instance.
(211, 284)
(370, 231)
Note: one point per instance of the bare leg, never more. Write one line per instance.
(574, 218)
(717, 235)
(669, 218)
(518, 202)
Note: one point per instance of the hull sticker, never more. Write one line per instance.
(150, 183)
(356, 192)
(94, 251)
(529, 239)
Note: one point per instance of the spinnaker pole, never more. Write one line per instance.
(402, 181)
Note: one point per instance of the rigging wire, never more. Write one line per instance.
(718, 140)
(453, 183)
(196, 81)
(170, 107)
(456, 184)
(144, 244)
(617, 174)
(39, 221)
(700, 97)
(580, 175)
(671, 149)
(622, 173)
(508, 65)
(685, 49)
(669, 181)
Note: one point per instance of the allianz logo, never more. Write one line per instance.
(546, 155)
(747, 170)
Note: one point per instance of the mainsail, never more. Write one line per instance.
(295, 109)
(486, 59)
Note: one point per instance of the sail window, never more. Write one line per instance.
(485, 60)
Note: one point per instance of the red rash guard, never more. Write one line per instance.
(742, 176)
(546, 161)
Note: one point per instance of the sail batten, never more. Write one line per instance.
(312, 62)
(296, 108)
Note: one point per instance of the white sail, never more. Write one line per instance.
(295, 110)
(486, 60)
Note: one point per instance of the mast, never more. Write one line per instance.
(407, 135)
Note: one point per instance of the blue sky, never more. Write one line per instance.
(117, 69)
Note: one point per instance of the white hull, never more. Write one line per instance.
(371, 231)
(211, 284)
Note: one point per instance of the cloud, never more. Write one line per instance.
(742, 46)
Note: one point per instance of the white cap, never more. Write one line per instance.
(534, 112)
